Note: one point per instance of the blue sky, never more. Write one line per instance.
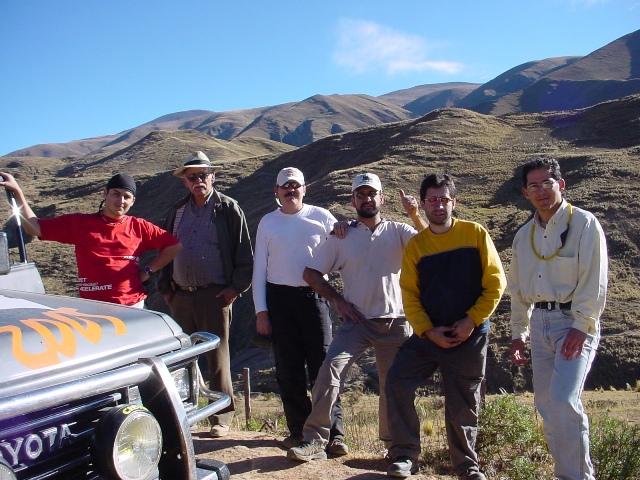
(72, 69)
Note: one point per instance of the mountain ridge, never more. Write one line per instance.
(552, 84)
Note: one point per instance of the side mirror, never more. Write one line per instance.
(5, 266)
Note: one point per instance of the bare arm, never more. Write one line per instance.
(346, 310)
(29, 219)
(518, 352)
(166, 255)
(263, 323)
(410, 205)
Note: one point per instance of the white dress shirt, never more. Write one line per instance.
(577, 274)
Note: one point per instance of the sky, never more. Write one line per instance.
(73, 69)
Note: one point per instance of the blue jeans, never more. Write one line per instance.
(558, 385)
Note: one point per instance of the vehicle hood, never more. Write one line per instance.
(47, 339)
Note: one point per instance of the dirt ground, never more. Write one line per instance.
(256, 455)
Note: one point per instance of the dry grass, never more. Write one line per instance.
(361, 427)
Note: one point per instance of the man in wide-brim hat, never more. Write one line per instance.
(215, 266)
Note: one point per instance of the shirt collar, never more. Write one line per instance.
(358, 224)
(211, 197)
(558, 216)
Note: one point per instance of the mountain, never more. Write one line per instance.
(597, 148)
(552, 84)
(295, 123)
(318, 116)
(448, 97)
(408, 95)
(610, 72)
(483, 98)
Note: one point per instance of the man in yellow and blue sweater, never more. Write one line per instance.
(452, 280)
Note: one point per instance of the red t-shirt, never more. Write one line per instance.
(107, 254)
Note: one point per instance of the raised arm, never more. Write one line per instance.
(410, 205)
(30, 221)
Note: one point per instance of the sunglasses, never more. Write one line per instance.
(194, 177)
(289, 185)
(435, 200)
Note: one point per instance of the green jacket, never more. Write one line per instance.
(234, 242)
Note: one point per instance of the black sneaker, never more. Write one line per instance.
(402, 467)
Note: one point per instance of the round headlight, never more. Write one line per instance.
(129, 443)
(5, 472)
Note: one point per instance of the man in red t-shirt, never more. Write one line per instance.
(108, 244)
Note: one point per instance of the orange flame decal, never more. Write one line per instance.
(67, 322)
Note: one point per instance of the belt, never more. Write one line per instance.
(290, 288)
(194, 289)
(552, 305)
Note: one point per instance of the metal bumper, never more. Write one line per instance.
(152, 376)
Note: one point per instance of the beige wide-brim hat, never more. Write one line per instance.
(197, 160)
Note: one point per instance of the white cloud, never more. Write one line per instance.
(587, 3)
(365, 46)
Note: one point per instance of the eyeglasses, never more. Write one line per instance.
(194, 177)
(366, 195)
(289, 185)
(546, 185)
(434, 200)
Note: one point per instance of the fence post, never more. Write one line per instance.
(247, 395)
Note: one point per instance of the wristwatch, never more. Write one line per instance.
(147, 270)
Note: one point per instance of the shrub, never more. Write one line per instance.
(510, 441)
(615, 449)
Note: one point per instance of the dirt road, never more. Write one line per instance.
(255, 455)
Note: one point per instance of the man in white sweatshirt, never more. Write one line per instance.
(288, 309)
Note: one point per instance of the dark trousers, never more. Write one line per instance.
(301, 334)
(203, 311)
(462, 369)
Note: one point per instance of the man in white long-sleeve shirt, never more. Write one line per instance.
(286, 307)
(558, 284)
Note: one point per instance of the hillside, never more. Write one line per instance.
(610, 72)
(296, 123)
(598, 149)
(448, 97)
(484, 98)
